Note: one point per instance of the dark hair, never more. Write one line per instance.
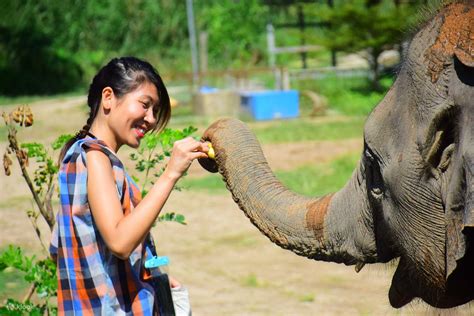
(123, 75)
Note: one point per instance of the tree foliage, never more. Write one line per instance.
(49, 46)
(236, 31)
(366, 26)
(52, 46)
(29, 62)
(41, 274)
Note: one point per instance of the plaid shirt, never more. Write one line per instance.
(91, 280)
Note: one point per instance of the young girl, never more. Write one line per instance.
(103, 225)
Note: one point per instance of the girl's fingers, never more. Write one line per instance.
(197, 155)
(190, 144)
(205, 146)
(199, 146)
(173, 282)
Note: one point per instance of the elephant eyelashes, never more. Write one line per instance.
(373, 175)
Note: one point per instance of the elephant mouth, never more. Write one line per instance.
(457, 289)
(400, 292)
(408, 285)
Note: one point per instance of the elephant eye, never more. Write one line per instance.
(375, 184)
(368, 154)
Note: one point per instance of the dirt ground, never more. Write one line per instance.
(227, 265)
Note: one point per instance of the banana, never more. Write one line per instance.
(211, 154)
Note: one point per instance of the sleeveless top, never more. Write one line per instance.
(91, 280)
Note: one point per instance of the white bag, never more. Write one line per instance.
(182, 306)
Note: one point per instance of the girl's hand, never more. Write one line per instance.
(183, 153)
(173, 282)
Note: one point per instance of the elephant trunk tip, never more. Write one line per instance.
(209, 164)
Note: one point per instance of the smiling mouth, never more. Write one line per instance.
(140, 131)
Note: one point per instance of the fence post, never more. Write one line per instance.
(271, 45)
(203, 56)
(285, 78)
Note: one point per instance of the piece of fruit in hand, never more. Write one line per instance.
(211, 154)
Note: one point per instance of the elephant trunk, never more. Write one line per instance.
(319, 228)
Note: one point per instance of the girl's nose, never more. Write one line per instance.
(150, 117)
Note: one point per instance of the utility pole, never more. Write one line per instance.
(301, 26)
(333, 52)
(192, 40)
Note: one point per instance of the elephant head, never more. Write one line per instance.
(411, 196)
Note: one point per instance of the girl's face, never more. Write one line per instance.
(132, 115)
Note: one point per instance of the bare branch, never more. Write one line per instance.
(28, 295)
(23, 161)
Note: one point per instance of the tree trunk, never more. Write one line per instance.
(374, 69)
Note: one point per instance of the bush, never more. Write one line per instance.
(31, 66)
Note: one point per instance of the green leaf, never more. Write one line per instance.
(35, 150)
(13, 257)
(14, 307)
(41, 273)
(172, 217)
(53, 168)
(180, 219)
(151, 140)
(189, 130)
(61, 141)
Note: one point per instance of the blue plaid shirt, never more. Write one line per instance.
(91, 280)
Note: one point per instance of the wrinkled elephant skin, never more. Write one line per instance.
(411, 196)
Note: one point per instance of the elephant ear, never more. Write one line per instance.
(449, 156)
(460, 190)
(469, 214)
(441, 156)
(459, 210)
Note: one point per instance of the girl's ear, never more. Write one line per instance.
(108, 97)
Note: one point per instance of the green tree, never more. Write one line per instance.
(236, 31)
(371, 26)
(29, 63)
(43, 40)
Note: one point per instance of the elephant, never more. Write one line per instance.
(411, 197)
